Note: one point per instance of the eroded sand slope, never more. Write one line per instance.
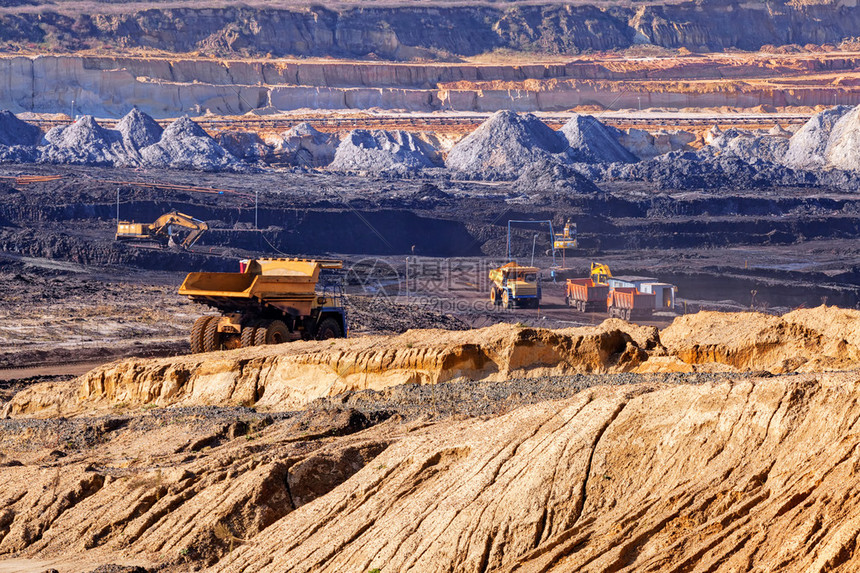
(753, 468)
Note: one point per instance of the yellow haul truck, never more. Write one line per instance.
(515, 286)
(268, 302)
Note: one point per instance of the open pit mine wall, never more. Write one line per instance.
(400, 33)
(109, 86)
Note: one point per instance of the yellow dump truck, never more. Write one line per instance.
(268, 302)
(515, 286)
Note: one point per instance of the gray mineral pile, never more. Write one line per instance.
(17, 139)
(137, 141)
(749, 146)
(139, 130)
(184, 145)
(84, 142)
(379, 151)
(645, 145)
(506, 144)
(725, 442)
(808, 147)
(304, 145)
(591, 141)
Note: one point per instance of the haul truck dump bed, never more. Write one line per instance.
(586, 296)
(629, 303)
(270, 301)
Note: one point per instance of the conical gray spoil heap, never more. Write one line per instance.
(84, 142)
(184, 145)
(591, 141)
(843, 146)
(13, 131)
(139, 130)
(807, 147)
(504, 145)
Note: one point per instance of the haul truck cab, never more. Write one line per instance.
(515, 286)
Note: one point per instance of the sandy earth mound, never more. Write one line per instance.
(506, 144)
(291, 375)
(806, 340)
(623, 472)
(756, 475)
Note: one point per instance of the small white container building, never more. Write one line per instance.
(664, 298)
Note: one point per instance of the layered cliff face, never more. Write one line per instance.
(166, 87)
(410, 32)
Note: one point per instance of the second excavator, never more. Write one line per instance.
(164, 230)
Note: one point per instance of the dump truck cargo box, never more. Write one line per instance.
(585, 296)
(629, 303)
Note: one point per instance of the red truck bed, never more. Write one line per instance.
(627, 303)
(585, 296)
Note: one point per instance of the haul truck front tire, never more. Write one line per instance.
(328, 328)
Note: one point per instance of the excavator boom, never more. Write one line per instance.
(163, 229)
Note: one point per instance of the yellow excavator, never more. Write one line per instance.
(163, 230)
(600, 273)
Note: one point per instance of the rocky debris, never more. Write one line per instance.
(139, 130)
(552, 179)
(244, 145)
(591, 141)
(701, 170)
(699, 474)
(808, 146)
(504, 145)
(748, 146)
(18, 154)
(85, 142)
(381, 314)
(303, 145)
(645, 145)
(14, 132)
(184, 145)
(380, 151)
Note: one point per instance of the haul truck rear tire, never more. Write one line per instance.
(197, 333)
(277, 332)
(248, 333)
(211, 336)
(328, 328)
(260, 333)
